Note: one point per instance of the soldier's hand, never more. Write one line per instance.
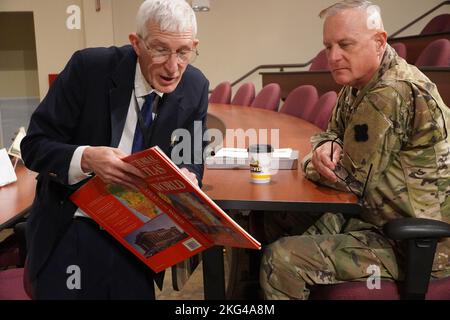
(189, 175)
(106, 163)
(324, 162)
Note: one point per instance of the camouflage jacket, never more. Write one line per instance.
(396, 129)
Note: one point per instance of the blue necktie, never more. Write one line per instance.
(147, 117)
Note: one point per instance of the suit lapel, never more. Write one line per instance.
(120, 94)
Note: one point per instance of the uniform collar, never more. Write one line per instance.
(389, 60)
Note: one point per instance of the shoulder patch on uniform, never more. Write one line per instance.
(361, 132)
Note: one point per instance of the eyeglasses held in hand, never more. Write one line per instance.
(161, 54)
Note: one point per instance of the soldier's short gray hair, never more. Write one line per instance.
(169, 15)
(374, 20)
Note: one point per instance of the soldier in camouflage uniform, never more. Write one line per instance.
(387, 142)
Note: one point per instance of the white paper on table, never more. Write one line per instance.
(7, 173)
(240, 153)
(282, 153)
(237, 153)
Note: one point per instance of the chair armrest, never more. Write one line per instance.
(416, 228)
(421, 236)
(20, 230)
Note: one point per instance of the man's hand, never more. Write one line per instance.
(189, 175)
(324, 163)
(106, 163)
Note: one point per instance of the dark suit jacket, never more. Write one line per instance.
(88, 105)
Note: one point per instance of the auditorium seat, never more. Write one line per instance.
(221, 93)
(400, 48)
(320, 62)
(436, 54)
(300, 102)
(245, 95)
(268, 98)
(323, 109)
(12, 285)
(440, 23)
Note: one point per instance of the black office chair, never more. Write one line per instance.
(421, 237)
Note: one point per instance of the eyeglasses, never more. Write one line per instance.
(161, 55)
(350, 181)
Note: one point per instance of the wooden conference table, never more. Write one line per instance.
(230, 189)
(17, 197)
(288, 190)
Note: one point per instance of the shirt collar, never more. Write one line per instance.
(389, 60)
(141, 86)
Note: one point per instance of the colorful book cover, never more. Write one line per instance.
(167, 222)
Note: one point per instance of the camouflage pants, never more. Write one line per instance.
(331, 251)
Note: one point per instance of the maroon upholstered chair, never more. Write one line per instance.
(245, 95)
(320, 62)
(400, 48)
(420, 237)
(221, 93)
(323, 109)
(268, 98)
(435, 54)
(26, 281)
(12, 285)
(440, 23)
(389, 290)
(10, 252)
(300, 102)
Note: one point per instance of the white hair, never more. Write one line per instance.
(373, 12)
(169, 15)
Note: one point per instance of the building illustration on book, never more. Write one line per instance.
(200, 215)
(156, 235)
(148, 240)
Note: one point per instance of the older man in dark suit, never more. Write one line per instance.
(104, 105)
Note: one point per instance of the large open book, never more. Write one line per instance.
(167, 222)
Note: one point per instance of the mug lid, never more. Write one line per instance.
(260, 148)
